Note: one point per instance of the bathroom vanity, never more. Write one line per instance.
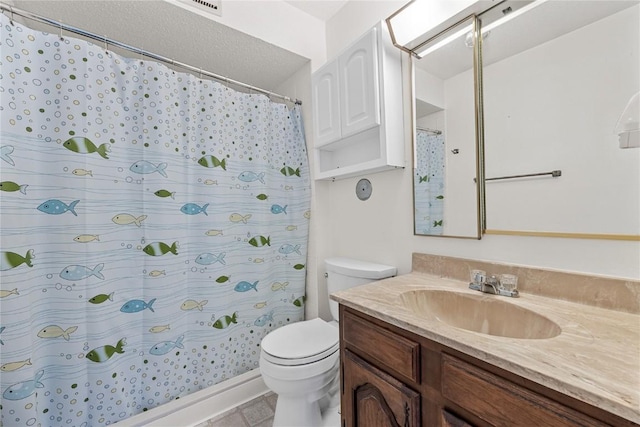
(404, 367)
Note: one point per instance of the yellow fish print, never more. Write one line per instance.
(14, 366)
(126, 219)
(159, 328)
(236, 217)
(156, 273)
(258, 260)
(292, 227)
(82, 172)
(192, 305)
(258, 305)
(55, 331)
(277, 286)
(86, 238)
(214, 233)
(211, 182)
(13, 291)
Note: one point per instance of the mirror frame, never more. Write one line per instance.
(479, 127)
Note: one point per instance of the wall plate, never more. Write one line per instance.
(364, 189)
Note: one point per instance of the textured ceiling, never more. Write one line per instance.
(170, 31)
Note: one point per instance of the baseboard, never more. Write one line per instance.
(198, 407)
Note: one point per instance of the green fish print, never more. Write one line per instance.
(259, 241)
(99, 299)
(160, 248)
(165, 193)
(212, 162)
(10, 186)
(437, 223)
(9, 260)
(104, 353)
(85, 146)
(222, 279)
(299, 302)
(440, 197)
(262, 197)
(289, 171)
(298, 266)
(423, 179)
(225, 321)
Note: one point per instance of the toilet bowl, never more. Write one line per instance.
(300, 361)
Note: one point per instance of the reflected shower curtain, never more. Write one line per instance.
(429, 183)
(153, 229)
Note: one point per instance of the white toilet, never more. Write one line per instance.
(300, 362)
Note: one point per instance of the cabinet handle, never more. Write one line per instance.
(407, 414)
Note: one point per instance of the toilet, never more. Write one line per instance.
(300, 361)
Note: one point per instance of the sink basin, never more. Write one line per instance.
(486, 314)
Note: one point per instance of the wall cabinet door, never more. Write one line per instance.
(373, 398)
(360, 96)
(451, 420)
(326, 104)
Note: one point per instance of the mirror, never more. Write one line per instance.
(557, 77)
(445, 146)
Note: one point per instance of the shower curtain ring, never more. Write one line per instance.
(60, 25)
(200, 74)
(106, 46)
(11, 18)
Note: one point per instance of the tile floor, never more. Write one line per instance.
(255, 413)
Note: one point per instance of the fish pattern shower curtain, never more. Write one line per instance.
(154, 228)
(429, 183)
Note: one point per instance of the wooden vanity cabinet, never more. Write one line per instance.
(394, 378)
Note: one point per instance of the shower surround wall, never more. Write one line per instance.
(154, 229)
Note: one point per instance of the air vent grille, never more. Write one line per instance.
(202, 7)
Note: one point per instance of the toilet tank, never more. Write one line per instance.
(345, 273)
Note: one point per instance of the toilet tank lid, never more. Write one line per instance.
(357, 268)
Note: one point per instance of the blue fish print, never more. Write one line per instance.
(2, 328)
(136, 305)
(245, 286)
(165, 347)
(5, 150)
(79, 272)
(145, 167)
(264, 319)
(277, 209)
(287, 249)
(193, 209)
(248, 176)
(24, 389)
(56, 207)
(208, 258)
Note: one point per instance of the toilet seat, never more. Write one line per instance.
(301, 343)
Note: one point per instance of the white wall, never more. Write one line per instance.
(381, 229)
(563, 118)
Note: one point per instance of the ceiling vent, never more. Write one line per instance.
(201, 7)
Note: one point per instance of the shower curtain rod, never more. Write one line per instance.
(436, 131)
(107, 41)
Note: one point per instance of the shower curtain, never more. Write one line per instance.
(429, 183)
(154, 228)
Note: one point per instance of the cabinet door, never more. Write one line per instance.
(373, 398)
(452, 420)
(326, 104)
(359, 87)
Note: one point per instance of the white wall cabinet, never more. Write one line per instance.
(357, 109)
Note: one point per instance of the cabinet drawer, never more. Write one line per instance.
(500, 402)
(392, 352)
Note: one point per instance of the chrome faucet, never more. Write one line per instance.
(491, 285)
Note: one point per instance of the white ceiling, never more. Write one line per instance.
(172, 32)
(321, 9)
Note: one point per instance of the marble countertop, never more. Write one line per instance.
(595, 359)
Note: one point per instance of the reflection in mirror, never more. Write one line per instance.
(556, 80)
(446, 198)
